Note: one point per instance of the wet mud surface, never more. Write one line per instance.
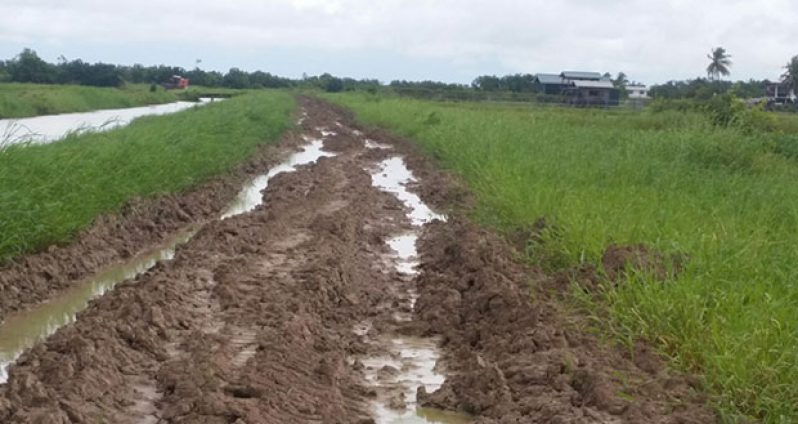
(339, 300)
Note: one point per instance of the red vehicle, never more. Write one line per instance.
(176, 83)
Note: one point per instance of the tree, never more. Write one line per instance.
(487, 83)
(236, 78)
(790, 76)
(621, 80)
(28, 67)
(719, 64)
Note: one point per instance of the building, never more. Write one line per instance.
(579, 88)
(780, 93)
(637, 91)
(551, 84)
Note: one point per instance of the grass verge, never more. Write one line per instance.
(23, 100)
(50, 192)
(726, 199)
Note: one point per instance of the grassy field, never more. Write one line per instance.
(22, 100)
(50, 192)
(670, 180)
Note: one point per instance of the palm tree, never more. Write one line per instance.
(790, 76)
(720, 63)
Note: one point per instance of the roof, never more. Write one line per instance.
(593, 84)
(581, 75)
(550, 79)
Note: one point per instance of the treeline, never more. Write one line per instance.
(29, 67)
(705, 89)
(517, 83)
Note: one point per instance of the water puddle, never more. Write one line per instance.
(405, 248)
(250, 196)
(22, 330)
(371, 144)
(48, 128)
(393, 177)
(411, 362)
(302, 118)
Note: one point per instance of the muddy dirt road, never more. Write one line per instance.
(356, 293)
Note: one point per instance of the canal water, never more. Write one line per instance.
(49, 128)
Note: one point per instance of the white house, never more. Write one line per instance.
(637, 91)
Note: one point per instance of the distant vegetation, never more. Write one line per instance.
(704, 89)
(710, 187)
(30, 68)
(48, 193)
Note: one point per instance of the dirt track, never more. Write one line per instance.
(256, 319)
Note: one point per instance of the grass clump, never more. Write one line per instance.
(50, 192)
(725, 196)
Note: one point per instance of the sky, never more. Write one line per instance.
(652, 41)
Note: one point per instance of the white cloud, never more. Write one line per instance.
(650, 41)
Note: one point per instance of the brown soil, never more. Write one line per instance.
(617, 260)
(253, 320)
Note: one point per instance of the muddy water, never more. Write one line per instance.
(48, 128)
(22, 330)
(250, 196)
(412, 362)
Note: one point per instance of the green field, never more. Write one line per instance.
(50, 192)
(23, 100)
(726, 199)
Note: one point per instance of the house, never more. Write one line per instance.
(579, 88)
(780, 93)
(637, 91)
(552, 84)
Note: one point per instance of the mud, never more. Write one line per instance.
(617, 261)
(281, 315)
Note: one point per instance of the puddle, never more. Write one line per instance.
(325, 132)
(400, 376)
(303, 117)
(21, 331)
(48, 128)
(393, 176)
(371, 144)
(412, 361)
(405, 248)
(250, 196)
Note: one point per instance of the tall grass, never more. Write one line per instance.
(22, 100)
(671, 180)
(50, 192)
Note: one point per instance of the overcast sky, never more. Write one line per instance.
(651, 41)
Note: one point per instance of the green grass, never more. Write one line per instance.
(50, 192)
(670, 180)
(23, 100)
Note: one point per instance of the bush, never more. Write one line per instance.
(726, 110)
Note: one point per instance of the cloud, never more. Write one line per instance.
(650, 41)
